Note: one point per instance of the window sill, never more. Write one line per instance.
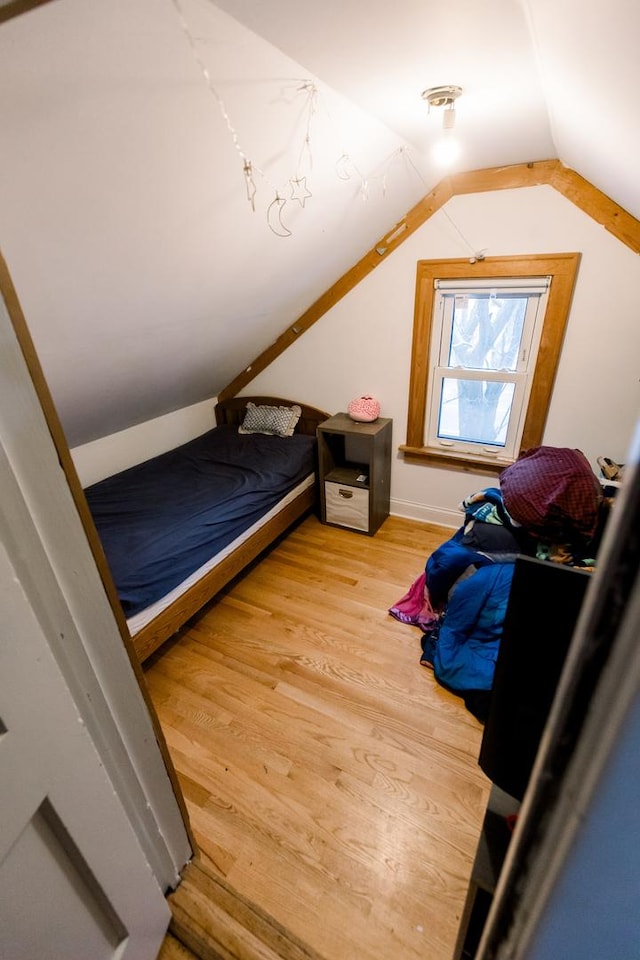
(451, 461)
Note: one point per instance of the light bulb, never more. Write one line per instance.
(446, 150)
(449, 118)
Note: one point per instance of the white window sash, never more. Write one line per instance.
(476, 448)
(536, 289)
(445, 307)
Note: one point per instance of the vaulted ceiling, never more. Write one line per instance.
(181, 179)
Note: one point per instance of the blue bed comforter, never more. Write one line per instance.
(162, 519)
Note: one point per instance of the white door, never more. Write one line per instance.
(91, 834)
(74, 882)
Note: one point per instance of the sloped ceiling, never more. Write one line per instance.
(148, 278)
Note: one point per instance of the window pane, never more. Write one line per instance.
(475, 410)
(486, 331)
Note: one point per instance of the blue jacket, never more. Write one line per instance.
(447, 563)
(468, 639)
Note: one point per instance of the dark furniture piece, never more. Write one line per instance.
(544, 604)
(490, 854)
(354, 461)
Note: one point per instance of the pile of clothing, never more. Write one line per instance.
(549, 505)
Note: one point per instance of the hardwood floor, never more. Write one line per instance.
(172, 949)
(329, 779)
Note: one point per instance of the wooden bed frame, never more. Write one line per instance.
(147, 640)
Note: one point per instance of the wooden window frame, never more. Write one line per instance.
(563, 269)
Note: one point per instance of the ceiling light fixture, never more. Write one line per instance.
(447, 149)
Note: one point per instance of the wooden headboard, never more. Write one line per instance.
(232, 412)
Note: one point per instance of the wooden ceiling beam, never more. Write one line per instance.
(13, 8)
(552, 173)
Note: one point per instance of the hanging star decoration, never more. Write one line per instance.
(299, 190)
(346, 168)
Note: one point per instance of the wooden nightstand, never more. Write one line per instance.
(354, 465)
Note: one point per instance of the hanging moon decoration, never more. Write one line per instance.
(274, 217)
(344, 167)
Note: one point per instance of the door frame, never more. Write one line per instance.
(89, 639)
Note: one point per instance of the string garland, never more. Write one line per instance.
(298, 186)
(475, 254)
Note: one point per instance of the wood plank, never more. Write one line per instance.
(510, 177)
(597, 205)
(172, 949)
(330, 781)
(14, 8)
(475, 181)
(218, 924)
(553, 173)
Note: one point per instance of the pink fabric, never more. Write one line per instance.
(553, 493)
(415, 606)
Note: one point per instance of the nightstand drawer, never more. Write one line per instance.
(348, 506)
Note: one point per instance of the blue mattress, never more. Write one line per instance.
(162, 519)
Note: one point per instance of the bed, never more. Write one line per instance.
(177, 528)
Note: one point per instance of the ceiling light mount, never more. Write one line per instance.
(447, 149)
(444, 96)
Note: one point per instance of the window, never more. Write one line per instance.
(482, 360)
(486, 344)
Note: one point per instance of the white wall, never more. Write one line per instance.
(101, 458)
(125, 221)
(363, 345)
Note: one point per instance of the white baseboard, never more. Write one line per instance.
(427, 514)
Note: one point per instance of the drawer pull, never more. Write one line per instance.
(345, 494)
